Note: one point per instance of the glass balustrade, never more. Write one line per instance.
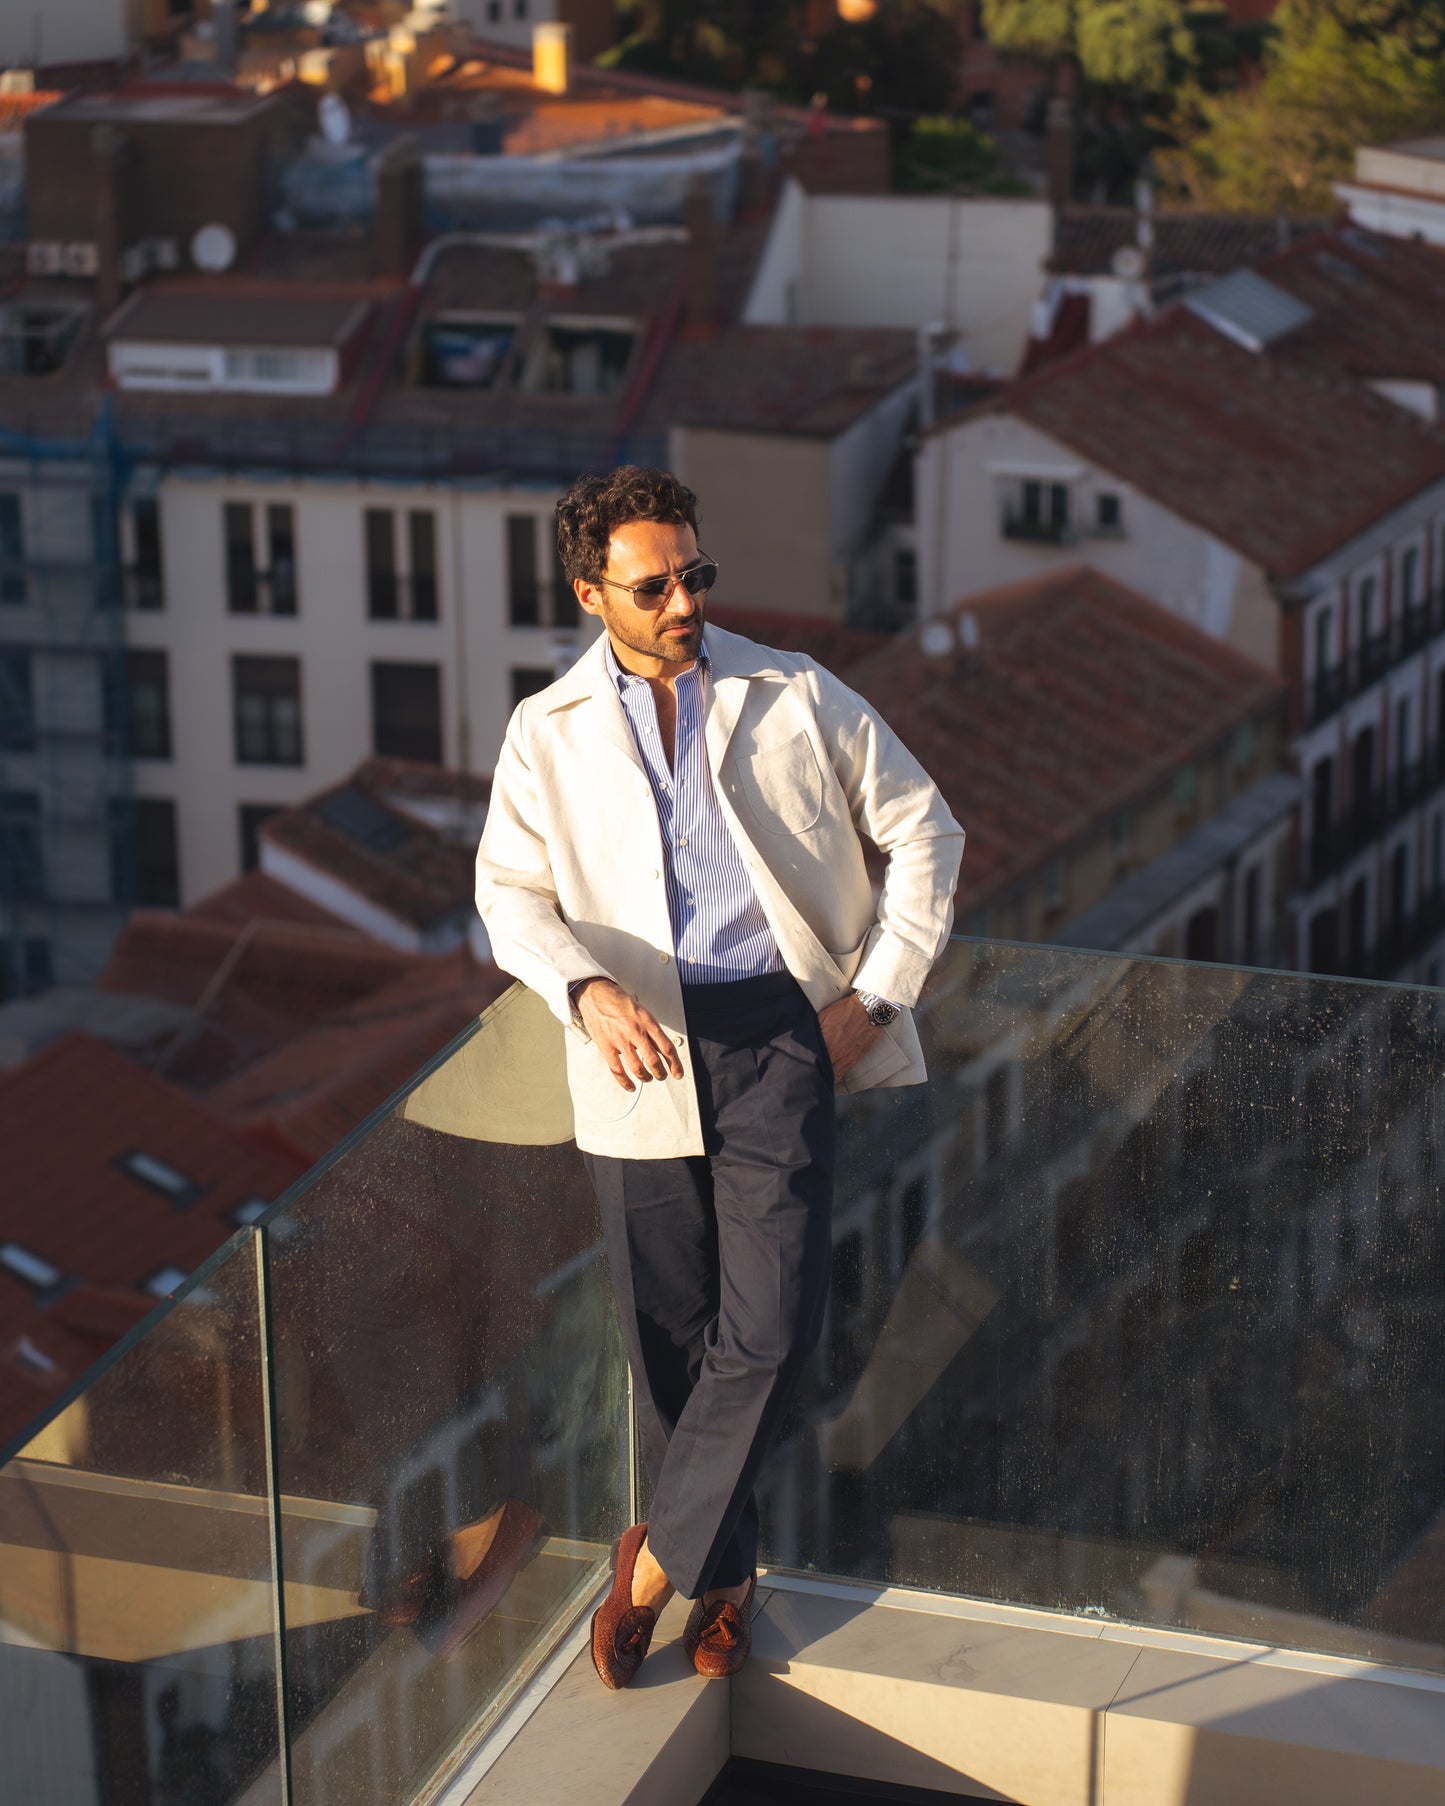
(1135, 1314)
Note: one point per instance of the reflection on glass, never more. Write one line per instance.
(452, 1414)
(137, 1606)
(1136, 1307)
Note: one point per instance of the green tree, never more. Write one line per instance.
(1337, 74)
(1119, 44)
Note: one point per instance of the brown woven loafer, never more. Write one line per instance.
(719, 1636)
(621, 1631)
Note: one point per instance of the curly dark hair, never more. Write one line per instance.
(595, 507)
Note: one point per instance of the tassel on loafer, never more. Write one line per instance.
(719, 1637)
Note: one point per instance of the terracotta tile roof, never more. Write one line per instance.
(317, 1088)
(1079, 700)
(262, 983)
(103, 1229)
(359, 836)
(255, 895)
(1379, 303)
(1276, 453)
(809, 380)
(835, 648)
(1185, 242)
(15, 109)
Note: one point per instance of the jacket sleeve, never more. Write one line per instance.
(896, 805)
(516, 895)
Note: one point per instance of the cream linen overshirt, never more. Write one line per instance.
(570, 869)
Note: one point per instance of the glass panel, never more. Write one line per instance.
(137, 1600)
(1136, 1307)
(453, 1415)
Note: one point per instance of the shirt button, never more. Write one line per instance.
(678, 1039)
(657, 874)
(682, 843)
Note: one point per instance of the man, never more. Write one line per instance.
(673, 859)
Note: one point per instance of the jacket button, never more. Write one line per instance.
(663, 957)
(679, 1039)
(657, 874)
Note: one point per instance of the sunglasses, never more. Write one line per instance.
(697, 580)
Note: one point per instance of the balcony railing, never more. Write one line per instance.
(1017, 525)
(1136, 1315)
(1414, 627)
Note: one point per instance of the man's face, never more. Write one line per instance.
(644, 549)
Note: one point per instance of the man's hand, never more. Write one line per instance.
(633, 1042)
(847, 1032)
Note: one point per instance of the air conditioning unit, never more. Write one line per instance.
(80, 258)
(43, 257)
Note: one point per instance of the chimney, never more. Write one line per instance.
(398, 207)
(552, 58)
(701, 312)
(113, 164)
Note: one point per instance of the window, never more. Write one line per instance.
(27, 1265)
(243, 578)
(1121, 834)
(25, 966)
(381, 584)
(144, 865)
(1245, 746)
(463, 353)
(281, 545)
(523, 592)
(1368, 591)
(12, 550)
(527, 592)
(1324, 633)
(1201, 934)
(160, 1176)
(22, 866)
(406, 712)
(519, 9)
(142, 727)
(905, 576)
(422, 545)
(266, 696)
(17, 702)
(1437, 852)
(1186, 790)
(1409, 575)
(1108, 513)
(1040, 510)
(392, 595)
(1250, 925)
(1054, 885)
(579, 360)
(251, 817)
(145, 579)
(494, 12)
(240, 559)
(527, 680)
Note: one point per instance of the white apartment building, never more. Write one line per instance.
(1265, 490)
(293, 627)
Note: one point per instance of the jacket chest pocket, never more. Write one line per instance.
(782, 787)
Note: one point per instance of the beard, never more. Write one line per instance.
(673, 648)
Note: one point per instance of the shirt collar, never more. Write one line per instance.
(622, 678)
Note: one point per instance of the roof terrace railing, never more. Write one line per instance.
(1135, 1314)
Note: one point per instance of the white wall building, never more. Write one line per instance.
(306, 624)
(972, 266)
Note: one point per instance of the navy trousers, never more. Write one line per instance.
(720, 1263)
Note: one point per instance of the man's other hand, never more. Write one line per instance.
(633, 1042)
(847, 1032)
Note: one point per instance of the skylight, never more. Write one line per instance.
(353, 813)
(160, 1176)
(1249, 310)
(29, 1267)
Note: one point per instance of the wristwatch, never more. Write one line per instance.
(880, 1011)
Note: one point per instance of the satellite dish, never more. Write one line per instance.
(1128, 262)
(936, 638)
(214, 248)
(334, 118)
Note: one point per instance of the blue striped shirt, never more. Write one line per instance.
(719, 931)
